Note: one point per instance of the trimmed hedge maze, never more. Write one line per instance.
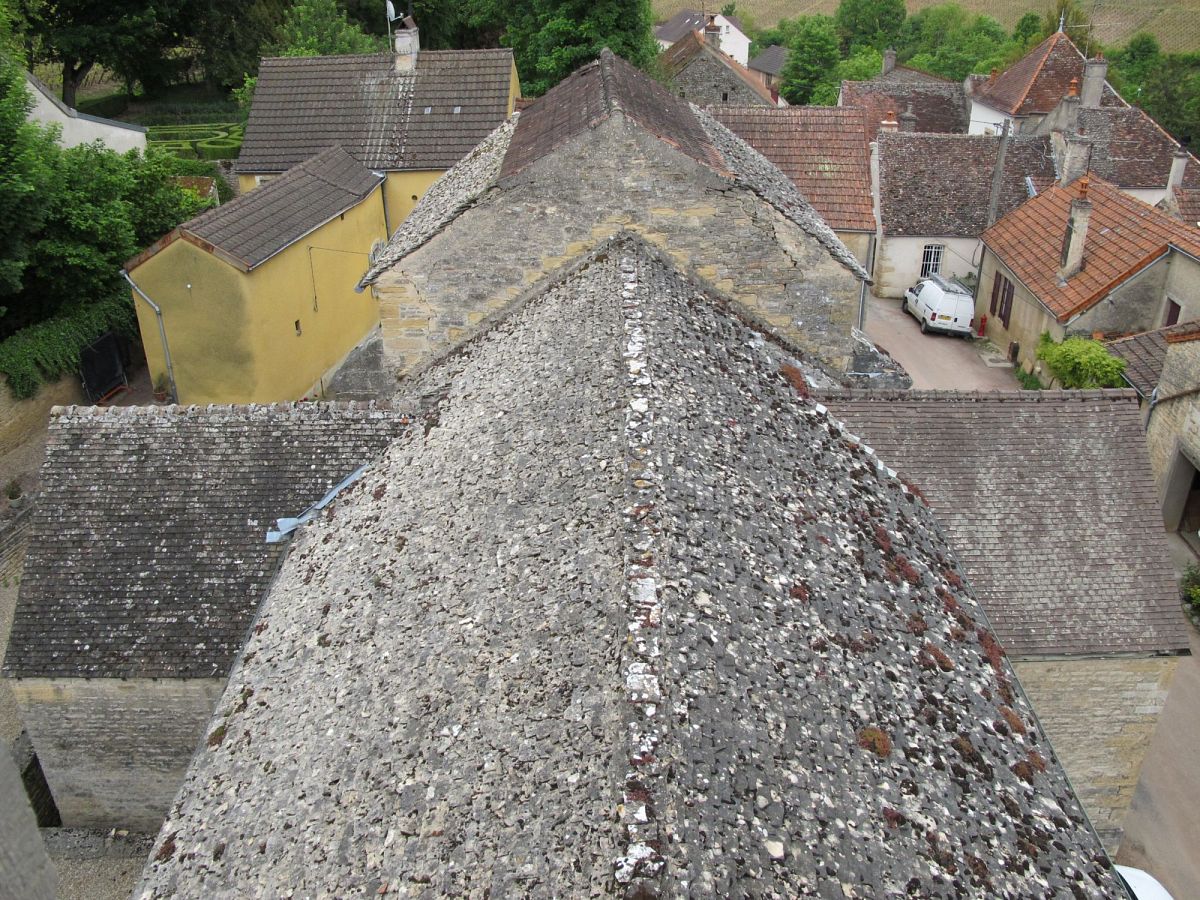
(220, 141)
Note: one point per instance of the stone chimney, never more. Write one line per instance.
(889, 123)
(1077, 155)
(1071, 262)
(908, 120)
(1178, 164)
(712, 33)
(1094, 73)
(1069, 118)
(889, 60)
(407, 45)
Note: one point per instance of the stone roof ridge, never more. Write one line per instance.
(939, 395)
(612, 102)
(457, 190)
(757, 173)
(197, 409)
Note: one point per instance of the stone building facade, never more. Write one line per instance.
(702, 74)
(1173, 432)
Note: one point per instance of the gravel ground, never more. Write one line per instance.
(97, 879)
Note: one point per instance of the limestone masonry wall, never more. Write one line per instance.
(704, 81)
(25, 420)
(566, 203)
(1100, 715)
(83, 729)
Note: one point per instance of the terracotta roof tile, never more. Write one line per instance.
(824, 150)
(1037, 492)
(683, 52)
(1145, 353)
(1189, 205)
(940, 184)
(1035, 83)
(303, 105)
(1131, 150)
(1124, 236)
(939, 107)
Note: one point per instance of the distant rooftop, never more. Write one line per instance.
(628, 617)
(939, 107)
(685, 21)
(1145, 353)
(771, 61)
(1035, 83)
(680, 54)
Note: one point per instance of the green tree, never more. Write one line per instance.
(875, 23)
(863, 64)
(320, 28)
(229, 36)
(26, 154)
(552, 38)
(812, 56)
(1028, 30)
(1074, 21)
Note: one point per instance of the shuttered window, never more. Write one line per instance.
(1002, 298)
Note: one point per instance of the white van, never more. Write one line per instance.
(940, 305)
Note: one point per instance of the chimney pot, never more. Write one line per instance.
(889, 124)
(1073, 88)
(1094, 73)
(889, 60)
(712, 32)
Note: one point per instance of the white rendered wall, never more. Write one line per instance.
(898, 261)
(84, 129)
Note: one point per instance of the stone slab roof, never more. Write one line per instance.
(940, 184)
(940, 107)
(147, 557)
(1049, 500)
(908, 75)
(1035, 83)
(686, 21)
(824, 150)
(427, 118)
(1124, 236)
(661, 629)
(254, 226)
(1131, 150)
(1145, 353)
(771, 61)
(692, 46)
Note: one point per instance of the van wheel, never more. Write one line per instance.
(924, 325)
(904, 305)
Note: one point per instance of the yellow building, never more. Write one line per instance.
(254, 302)
(409, 114)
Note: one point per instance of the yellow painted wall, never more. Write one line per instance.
(404, 189)
(232, 335)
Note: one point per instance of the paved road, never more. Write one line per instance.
(933, 360)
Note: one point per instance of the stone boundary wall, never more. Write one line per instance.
(1100, 715)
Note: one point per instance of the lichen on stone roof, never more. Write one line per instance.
(629, 613)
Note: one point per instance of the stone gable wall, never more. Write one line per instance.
(83, 730)
(1100, 715)
(611, 179)
(704, 81)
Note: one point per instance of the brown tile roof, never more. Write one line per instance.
(1131, 150)
(1035, 83)
(1048, 498)
(1145, 353)
(823, 149)
(388, 119)
(253, 227)
(148, 554)
(939, 107)
(588, 96)
(685, 21)
(1188, 202)
(771, 61)
(908, 75)
(683, 52)
(940, 184)
(1124, 236)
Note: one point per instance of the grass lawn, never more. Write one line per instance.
(1176, 23)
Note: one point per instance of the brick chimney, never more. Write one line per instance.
(1094, 73)
(1076, 157)
(1178, 164)
(908, 120)
(712, 33)
(407, 45)
(889, 60)
(1071, 262)
(1069, 117)
(889, 123)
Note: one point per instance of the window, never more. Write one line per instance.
(1173, 310)
(931, 259)
(724, 96)
(262, 179)
(297, 324)
(1002, 297)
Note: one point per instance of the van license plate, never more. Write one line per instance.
(943, 318)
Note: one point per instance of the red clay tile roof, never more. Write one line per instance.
(388, 119)
(588, 96)
(823, 149)
(683, 52)
(1131, 150)
(939, 107)
(1145, 353)
(1049, 501)
(1035, 83)
(1124, 236)
(772, 60)
(1189, 205)
(251, 228)
(941, 184)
